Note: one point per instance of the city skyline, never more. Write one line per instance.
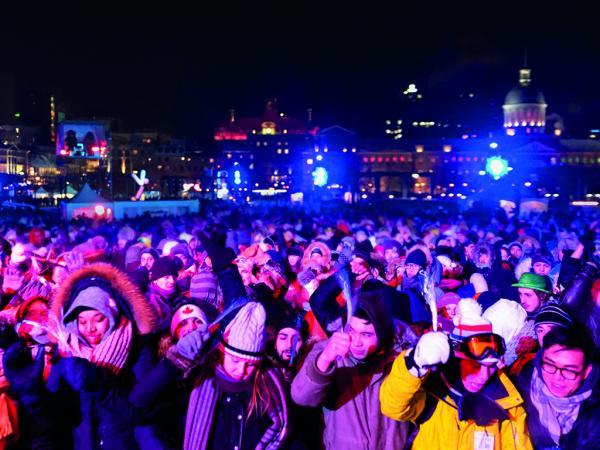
(184, 83)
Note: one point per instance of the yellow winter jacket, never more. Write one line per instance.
(402, 398)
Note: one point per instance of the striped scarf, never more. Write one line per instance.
(111, 353)
(203, 401)
(557, 415)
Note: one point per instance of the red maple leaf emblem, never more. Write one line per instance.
(187, 310)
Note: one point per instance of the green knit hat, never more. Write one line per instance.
(532, 281)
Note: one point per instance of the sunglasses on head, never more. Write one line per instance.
(481, 346)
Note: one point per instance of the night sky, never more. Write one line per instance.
(183, 82)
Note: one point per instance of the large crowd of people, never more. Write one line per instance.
(265, 329)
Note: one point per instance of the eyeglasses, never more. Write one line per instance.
(481, 346)
(567, 374)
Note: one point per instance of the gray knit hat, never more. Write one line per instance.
(245, 336)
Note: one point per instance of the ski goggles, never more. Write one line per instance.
(480, 346)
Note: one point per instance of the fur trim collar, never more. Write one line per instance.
(145, 317)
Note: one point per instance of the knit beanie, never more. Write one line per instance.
(185, 312)
(181, 249)
(543, 258)
(244, 336)
(554, 315)
(416, 257)
(126, 234)
(133, 254)
(507, 318)
(468, 320)
(151, 251)
(294, 321)
(204, 286)
(163, 267)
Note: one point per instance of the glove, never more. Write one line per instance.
(78, 373)
(24, 374)
(13, 280)
(432, 349)
(190, 346)
(74, 260)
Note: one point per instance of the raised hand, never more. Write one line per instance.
(337, 346)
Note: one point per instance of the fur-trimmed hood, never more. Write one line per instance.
(138, 309)
(324, 250)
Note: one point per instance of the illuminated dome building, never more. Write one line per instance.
(524, 108)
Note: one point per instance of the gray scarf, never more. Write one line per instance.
(557, 415)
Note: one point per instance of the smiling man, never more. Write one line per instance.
(463, 401)
(561, 390)
(343, 376)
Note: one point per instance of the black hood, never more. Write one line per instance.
(376, 308)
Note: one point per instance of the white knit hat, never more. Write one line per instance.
(507, 317)
(468, 320)
(245, 336)
(185, 312)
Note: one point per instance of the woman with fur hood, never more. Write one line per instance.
(101, 319)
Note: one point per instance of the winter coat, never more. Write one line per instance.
(403, 398)
(162, 395)
(585, 433)
(102, 415)
(349, 395)
(578, 299)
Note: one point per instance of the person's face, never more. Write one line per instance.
(504, 254)
(542, 330)
(166, 283)
(563, 358)
(239, 368)
(317, 258)
(358, 266)
(529, 299)
(541, 268)
(404, 234)
(246, 275)
(475, 375)
(449, 311)
(147, 261)
(484, 260)
(469, 251)
(92, 326)
(391, 254)
(186, 326)
(412, 270)
(293, 260)
(37, 238)
(37, 312)
(363, 338)
(284, 343)
(516, 252)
